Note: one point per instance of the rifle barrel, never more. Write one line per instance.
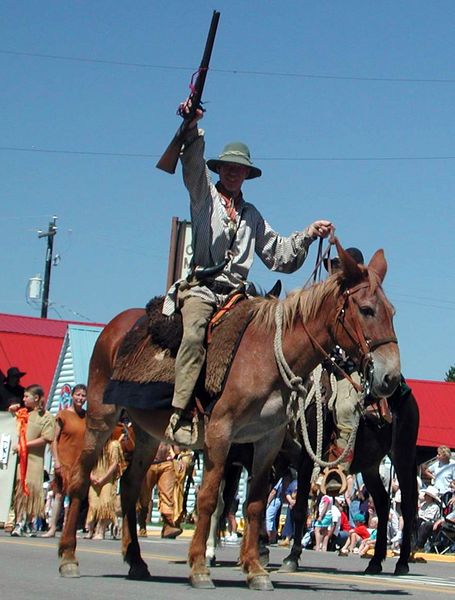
(170, 157)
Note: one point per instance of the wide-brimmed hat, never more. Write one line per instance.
(14, 372)
(432, 491)
(354, 253)
(237, 153)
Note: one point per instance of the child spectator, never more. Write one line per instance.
(369, 542)
(102, 494)
(358, 533)
(323, 523)
(340, 522)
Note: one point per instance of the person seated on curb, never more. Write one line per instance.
(358, 533)
(370, 542)
(226, 233)
(428, 514)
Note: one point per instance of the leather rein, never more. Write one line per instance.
(356, 334)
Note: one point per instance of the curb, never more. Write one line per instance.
(442, 558)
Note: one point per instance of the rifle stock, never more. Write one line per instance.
(170, 157)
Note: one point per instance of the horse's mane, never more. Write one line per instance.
(304, 303)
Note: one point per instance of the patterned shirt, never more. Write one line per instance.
(214, 233)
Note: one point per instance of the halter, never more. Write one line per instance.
(355, 333)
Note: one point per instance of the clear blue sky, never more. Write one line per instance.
(348, 107)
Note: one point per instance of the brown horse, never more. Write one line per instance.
(349, 309)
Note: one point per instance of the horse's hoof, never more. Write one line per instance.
(139, 573)
(401, 569)
(202, 581)
(261, 583)
(373, 569)
(264, 558)
(68, 570)
(289, 566)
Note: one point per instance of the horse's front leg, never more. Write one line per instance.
(99, 428)
(130, 485)
(215, 454)
(404, 460)
(265, 451)
(212, 540)
(381, 500)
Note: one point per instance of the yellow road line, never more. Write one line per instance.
(79, 550)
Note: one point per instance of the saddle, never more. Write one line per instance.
(144, 369)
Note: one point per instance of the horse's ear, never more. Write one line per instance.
(350, 268)
(379, 264)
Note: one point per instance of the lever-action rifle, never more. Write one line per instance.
(169, 159)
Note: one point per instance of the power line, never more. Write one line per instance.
(230, 71)
(262, 158)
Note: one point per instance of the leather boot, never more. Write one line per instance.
(169, 531)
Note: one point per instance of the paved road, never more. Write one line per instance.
(29, 567)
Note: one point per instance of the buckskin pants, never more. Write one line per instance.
(162, 475)
(196, 314)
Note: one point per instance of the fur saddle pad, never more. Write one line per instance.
(144, 369)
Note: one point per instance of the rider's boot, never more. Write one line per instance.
(182, 429)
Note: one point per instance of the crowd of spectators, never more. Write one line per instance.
(40, 502)
(348, 524)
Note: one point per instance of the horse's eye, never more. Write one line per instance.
(366, 311)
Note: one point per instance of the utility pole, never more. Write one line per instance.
(51, 232)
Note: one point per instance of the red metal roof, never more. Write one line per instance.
(33, 345)
(436, 400)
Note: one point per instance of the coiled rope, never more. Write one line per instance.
(299, 391)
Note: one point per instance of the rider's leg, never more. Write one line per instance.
(196, 314)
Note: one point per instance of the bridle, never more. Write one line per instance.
(355, 332)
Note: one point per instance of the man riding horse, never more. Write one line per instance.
(226, 232)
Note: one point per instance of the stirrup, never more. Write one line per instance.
(182, 431)
(172, 425)
(334, 482)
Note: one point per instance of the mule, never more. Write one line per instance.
(374, 440)
(349, 309)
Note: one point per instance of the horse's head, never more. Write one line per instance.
(364, 322)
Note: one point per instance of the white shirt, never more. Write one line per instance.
(443, 475)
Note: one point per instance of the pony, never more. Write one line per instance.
(349, 309)
(375, 439)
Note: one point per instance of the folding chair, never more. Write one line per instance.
(444, 539)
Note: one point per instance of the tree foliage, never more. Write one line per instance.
(450, 375)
